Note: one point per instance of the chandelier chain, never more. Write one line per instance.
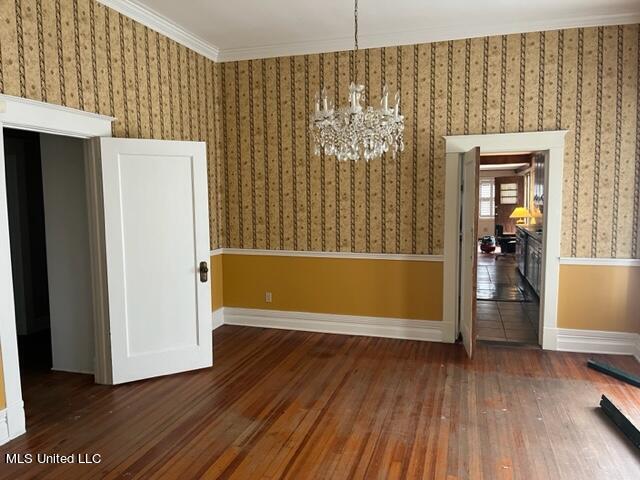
(354, 59)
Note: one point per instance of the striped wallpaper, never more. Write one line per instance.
(268, 189)
(278, 195)
(83, 55)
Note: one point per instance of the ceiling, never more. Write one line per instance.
(240, 29)
(504, 166)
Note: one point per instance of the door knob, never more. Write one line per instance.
(204, 272)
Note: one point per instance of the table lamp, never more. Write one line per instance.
(520, 213)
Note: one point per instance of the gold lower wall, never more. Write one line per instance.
(217, 287)
(347, 286)
(599, 297)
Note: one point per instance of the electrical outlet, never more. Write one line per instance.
(267, 297)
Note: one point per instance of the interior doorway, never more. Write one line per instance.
(510, 247)
(50, 261)
(461, 239)
(25, 205)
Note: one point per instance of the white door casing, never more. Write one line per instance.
(157, 314)
(468, 247)
(25, 114)
(496, 143)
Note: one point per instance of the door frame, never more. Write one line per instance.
(551, 141)
(25, 114)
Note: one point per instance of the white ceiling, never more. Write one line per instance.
(503, 166)
(241, 29)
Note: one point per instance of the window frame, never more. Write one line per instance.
(491, 198)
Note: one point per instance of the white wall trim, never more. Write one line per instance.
(40, 117)
(431, 34)
(408, 329)
(161, 24)
(548, 141)
(613, 262)
(596, 341)
(12, 422)
(352, 255)
(25, 114)
(217, 318)
(4, 427)
(158, 22)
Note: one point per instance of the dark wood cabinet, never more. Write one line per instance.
(529, 257)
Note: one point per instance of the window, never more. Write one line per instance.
(508, 193)
(487, 197)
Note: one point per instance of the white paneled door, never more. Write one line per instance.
(156, 310)
(469, 247)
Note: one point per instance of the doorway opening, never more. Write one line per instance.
(463, 155)
(50, 261)
(25, 204)
(510, 247)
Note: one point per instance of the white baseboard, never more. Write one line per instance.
(426, 330)
(217, 319)
(12, 422)
(4, 427)
(596, 341)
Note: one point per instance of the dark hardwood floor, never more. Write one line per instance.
(282, 404)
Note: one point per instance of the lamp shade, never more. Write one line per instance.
(520, 212)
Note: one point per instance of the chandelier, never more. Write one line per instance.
(352, 132)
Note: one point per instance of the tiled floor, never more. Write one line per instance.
(507, 307)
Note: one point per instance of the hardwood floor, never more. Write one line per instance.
(282, 404)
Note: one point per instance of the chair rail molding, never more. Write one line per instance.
(316, 254)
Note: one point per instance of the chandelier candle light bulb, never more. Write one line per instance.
(353, 132)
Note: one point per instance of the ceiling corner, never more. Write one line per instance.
(152, 19)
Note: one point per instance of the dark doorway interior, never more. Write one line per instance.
(28, 248)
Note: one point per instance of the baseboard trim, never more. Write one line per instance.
(12, 422)
(408, 329)
(596, 341)
(4, 427)
(217, 319)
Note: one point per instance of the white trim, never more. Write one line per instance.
(612, 262)
(426, 35)
(217, 318)
(25, 114)
(152, 19)
(4, 427)
(41, 117)
(451, 285)
(12, 422)
(408, 329)
(549, 141)
(299, 253)
(596, 341)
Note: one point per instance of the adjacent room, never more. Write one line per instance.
(343, 239)
(510, 224)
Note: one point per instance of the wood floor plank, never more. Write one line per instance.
(283, 404)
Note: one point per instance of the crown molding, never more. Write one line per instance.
(161, 24)
(427, 35)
